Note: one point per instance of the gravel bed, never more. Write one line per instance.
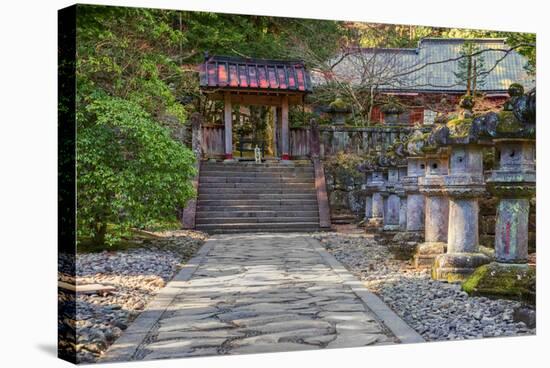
(437, 310)
(137, 274)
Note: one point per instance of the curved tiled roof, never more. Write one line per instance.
(223, 72)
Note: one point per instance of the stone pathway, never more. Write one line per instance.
(252, 293)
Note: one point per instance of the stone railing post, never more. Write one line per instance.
(320, 181)
(314, 140)
(189, 212)
(436, 221)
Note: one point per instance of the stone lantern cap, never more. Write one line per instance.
(416, 142)
(371, 164)
(432, 183)
(414, 145)
(517, 120)
(513, 130)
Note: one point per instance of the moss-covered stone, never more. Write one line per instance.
(515, 89)
(457, 267)
(339, 104)
(427, 252)
(404, 244)
(459, 128)
(497, 280)
(403, 251)
(467, 102)
(508, 123)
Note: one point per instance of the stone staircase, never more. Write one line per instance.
(251, 197)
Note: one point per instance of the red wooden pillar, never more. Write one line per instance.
(228, 117)
(285, 136)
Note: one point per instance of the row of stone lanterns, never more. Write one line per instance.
(445, 180)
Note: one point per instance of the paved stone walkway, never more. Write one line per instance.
(252, 293)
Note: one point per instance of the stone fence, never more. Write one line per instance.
(333, 139)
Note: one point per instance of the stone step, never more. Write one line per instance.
(265, 164)
(257, 168)
(256, 202)
(265, 227)
(223, 207)
(262, 230)
(203, 179)
(216, 213)
(254, 220)
(226, 196)
(268, 185)
(283, 176)
(250, 197)
(255, 191)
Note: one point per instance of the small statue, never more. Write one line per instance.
(258, 154)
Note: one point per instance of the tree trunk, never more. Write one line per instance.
(371, 103)
(469, 77)
(99, 235)
(474, 79)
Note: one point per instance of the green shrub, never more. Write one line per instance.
(130, 172)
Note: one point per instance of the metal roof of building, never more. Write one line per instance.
(430, 67)
(231, 73)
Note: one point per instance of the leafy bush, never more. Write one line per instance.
(344, 168)
(130, 172)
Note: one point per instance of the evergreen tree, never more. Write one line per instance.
(472, 72)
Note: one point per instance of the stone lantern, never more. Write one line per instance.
(339, 111)
(415, 200)
(436, 220)
(391, 111)
(400, 190)
(464, 184)
(393, 202)
(513, 183)
(378, 186)
(375, 186)
(368, 196)
(393, 161)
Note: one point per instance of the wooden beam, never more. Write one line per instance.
(257, 97)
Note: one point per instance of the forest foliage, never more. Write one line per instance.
(137, 83)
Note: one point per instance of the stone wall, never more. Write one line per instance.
(358, 140)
